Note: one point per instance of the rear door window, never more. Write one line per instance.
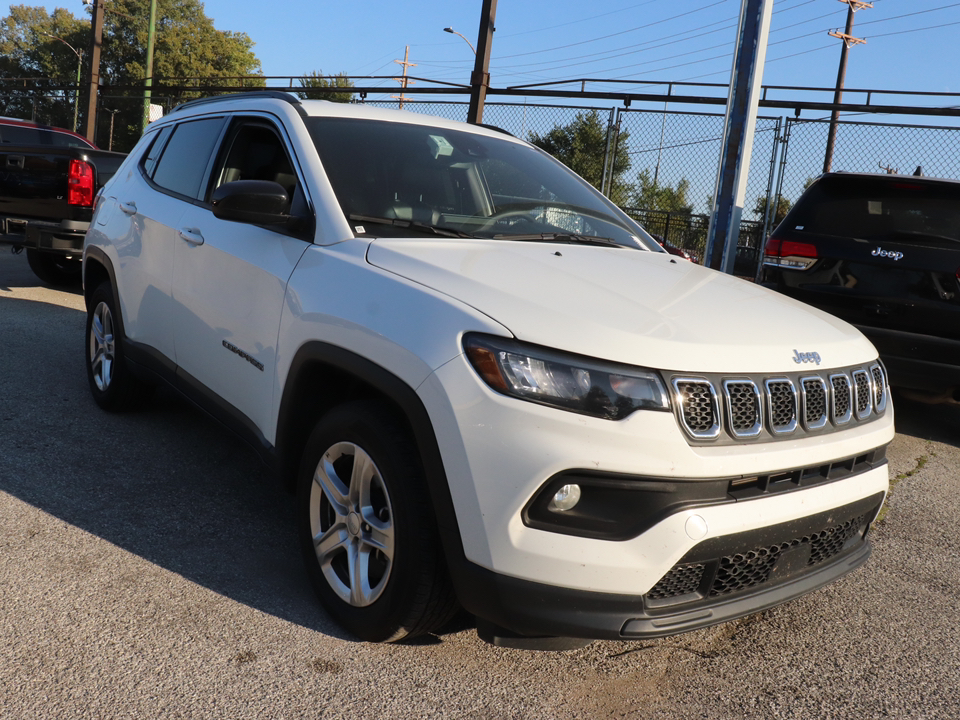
(185, 158)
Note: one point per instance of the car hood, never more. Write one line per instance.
(624, 305)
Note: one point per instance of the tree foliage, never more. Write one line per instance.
(316, 79)
(35, 58)
(582, 144)
(650, 195)
(780, 210)
(187, 45)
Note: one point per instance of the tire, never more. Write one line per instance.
(367, 529)
(114, 388)
(55, 269)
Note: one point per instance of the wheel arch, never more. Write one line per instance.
(97, 269)
(323, 376)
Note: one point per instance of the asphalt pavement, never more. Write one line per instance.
(149, 569)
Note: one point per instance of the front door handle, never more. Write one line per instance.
(191, 235)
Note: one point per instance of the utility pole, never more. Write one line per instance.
(848, 41)
(480, 79)
(404, 81)
(96, 40)
(743, 100)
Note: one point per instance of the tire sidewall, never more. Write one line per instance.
(369, 426)
(113, 398)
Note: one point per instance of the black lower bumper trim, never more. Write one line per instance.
(762, 568)
(537, 610)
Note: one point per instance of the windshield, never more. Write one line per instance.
(878, 209)
(393, 178)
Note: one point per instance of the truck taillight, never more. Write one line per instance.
(789, 254)
(80, 183)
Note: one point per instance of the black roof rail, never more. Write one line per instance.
(275, 94)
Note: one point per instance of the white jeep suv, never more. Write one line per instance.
(487, 385)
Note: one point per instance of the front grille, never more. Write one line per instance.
(719, 410)
(749, 569)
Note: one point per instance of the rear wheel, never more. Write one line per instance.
(54, 269)
(112, 384)
(367, 531)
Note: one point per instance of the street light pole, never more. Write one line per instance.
(76, 90)
(451, 30)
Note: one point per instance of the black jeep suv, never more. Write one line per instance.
(883, 253)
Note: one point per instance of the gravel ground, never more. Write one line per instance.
(148, 569)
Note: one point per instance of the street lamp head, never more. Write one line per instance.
(449, 30)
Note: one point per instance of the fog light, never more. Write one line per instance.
(566, 498)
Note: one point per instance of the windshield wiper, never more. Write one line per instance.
(414, 224)
(570, 238)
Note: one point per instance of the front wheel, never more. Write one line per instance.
(111, 383)
(368, 535)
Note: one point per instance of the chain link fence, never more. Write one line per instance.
(660, 166)
(865, 147)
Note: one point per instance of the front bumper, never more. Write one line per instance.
(655, 575)
(738, 575)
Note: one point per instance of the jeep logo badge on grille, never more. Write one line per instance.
(808, 357)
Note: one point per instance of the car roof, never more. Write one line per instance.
(266, 99)
(40, 126)
(887, 177)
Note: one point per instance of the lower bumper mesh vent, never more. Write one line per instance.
(750, 569)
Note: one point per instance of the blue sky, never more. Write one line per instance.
(911, 44)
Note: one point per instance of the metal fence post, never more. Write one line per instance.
(606, 153)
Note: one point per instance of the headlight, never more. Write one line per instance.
(566, 381)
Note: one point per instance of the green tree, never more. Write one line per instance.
(190, 57)
(35, 59)
(317, 79)
(582, 144)
(780, 210)
(648, 195)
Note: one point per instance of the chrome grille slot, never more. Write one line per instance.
(842, 407)
(781, 405)
(813, 392)
(862, 392)
(879, 388)
(743, 407)
(700, 412)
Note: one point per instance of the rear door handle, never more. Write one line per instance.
(191, 235)
(129, 208)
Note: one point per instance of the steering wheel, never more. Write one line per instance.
(520, 215)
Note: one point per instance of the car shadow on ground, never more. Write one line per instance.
(16, 274)
(166, 483)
